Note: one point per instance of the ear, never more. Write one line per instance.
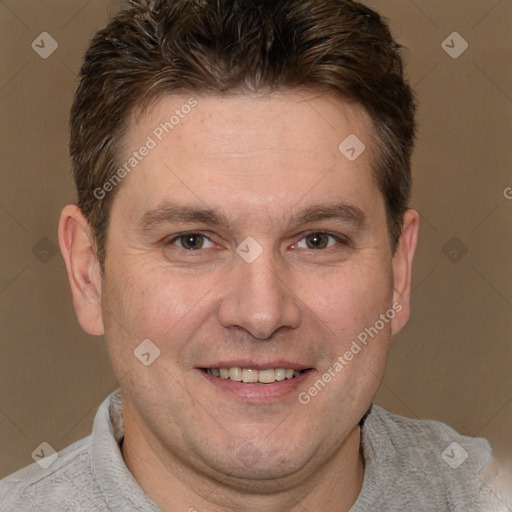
(78, 250)
(402, 269)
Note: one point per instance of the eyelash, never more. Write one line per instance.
(340, 239)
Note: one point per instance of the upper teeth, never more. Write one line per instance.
(250, 375)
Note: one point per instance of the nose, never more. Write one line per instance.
(257, 299)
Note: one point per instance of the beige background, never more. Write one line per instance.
(452, 362)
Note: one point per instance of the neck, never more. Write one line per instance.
(174, 484)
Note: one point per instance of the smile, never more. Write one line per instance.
(251, 375)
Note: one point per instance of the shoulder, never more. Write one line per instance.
(451, 448)
(426, 460)
(68, 483)
(432, 446)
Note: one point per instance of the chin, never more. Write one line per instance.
(262, 478)
(249, 469)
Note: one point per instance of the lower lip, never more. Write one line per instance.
(258, 393)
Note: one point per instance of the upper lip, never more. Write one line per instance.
(246, 363)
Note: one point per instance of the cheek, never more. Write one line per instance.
(349, 299)
(355, 312)
(149, 301)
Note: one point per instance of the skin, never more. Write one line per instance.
(259, 160)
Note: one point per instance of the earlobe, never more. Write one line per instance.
(78, 250)
(402, 268)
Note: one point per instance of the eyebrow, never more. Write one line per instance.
(344, 212)
(168, 214)
(172, 213)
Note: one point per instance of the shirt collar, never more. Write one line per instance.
(119, 488)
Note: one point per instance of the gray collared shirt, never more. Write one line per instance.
(409, 465)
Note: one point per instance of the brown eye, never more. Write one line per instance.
(321, 240)
(317, 240)
(191, 241)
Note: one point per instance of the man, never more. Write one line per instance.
(243, 240)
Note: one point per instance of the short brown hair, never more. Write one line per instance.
(158, 47)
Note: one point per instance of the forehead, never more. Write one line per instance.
(303, 116)
(248, 151)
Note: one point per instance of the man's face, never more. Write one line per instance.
(247, 239)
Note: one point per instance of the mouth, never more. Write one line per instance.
(255, 376)
(257, 383)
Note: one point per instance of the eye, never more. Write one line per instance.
(318, 240)
(192, 241)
